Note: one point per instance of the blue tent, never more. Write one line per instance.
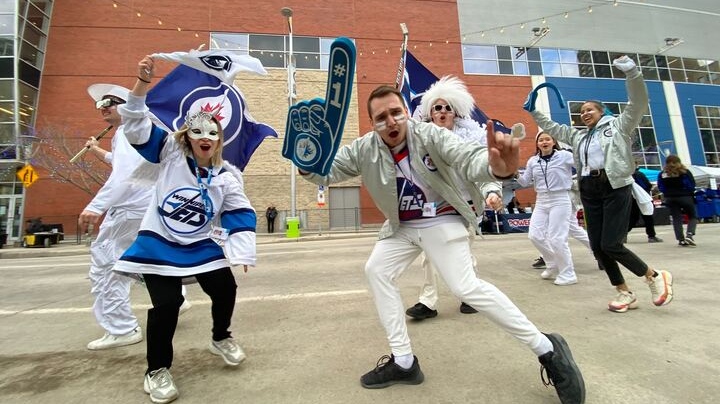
(650, 174)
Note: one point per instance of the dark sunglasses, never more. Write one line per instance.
(108, 102)
(439, 108)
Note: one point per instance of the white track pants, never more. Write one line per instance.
(549, 228)
(111, 289)
(447, 248)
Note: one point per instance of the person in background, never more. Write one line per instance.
(677, 185)
(123, 203)
(200, 224)
(448, 104)
(409, 170)
(513, 207)
(270, 214)
(550, 172)
(603, 154)
(635, 214)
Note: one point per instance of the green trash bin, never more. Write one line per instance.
(292, 227)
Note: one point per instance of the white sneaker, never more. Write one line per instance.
(549, 274)
(230, 351)
(661, 288)
(185, 306)
(111, 341)
(623, 302)
(160, 385)
(565, 282)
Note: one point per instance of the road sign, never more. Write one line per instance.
(27, 175)
(321, 196)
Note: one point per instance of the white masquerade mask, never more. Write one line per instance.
(202, 126)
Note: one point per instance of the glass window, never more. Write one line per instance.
(661, 61)
(7, 112)
(664, 74)
(28, 95)
(505, 67)
(481, 66)
(586, 71)
(7, 46)
(603, 71)
(269, 58)
(677, 75)
(7, 92)
(266, 43)
(34, 36)
(7, 136)
(552, 69)
(568, 56)
(600, 58)
(29, 74)
(650, 73)
(533, 54)
(584, 56)
(647, 60)
(304, 44)
(692, 64)
(569, 70)
(7, 24)
(479, 52)
(535, 68)
(38, 19)
(306, 60)
(518, 50)
(504, 53)
(713, 66)
(698, 77)
(7, 68)
(31, 55)
(229, 41)
(521, 68)
(549, 55)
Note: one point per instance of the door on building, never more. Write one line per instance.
(344, 206)
(10, 217)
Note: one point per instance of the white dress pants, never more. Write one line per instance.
(447, 248)
(549, 228)
(111, 289)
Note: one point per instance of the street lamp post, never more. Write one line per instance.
(287, 13)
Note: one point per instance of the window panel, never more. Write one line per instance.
(692, 64)
(7, 92)
(533, 54)
(584, 56)
(307, 60)
(694, 76)
(521, 68)
(601, 58)
(664, 74)
(505, 67)
(570, 70)
(714, 66)
(603, 71)
(549, 55)
(38, 19)
(266, 43)
(650, 73)
(535, 68)
(479, 52)
(713, 112)
(701, 111)
(504, 53)
(552, 69)
(521, 57)
(661, 61)
(568, 56)
(586, 71)
(33, 36)
(647, 61)
(677, 75)
(229, 41)
(304, 44)
(481, 66)
(269, 59)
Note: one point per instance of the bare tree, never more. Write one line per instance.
(54, 148)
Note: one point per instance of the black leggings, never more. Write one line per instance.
(607, 212)
(166, 296)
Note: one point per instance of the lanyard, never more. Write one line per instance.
(207, 203)
(587, 146)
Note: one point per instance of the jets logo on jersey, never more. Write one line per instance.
(183, 212)
(223, 101)
(429, 163)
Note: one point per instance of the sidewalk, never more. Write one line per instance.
(70, 247)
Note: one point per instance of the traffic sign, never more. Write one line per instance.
(27, 175)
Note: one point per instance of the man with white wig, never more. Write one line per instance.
(449, 104)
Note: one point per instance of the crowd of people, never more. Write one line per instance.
(431, 176)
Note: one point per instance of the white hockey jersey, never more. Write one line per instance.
(174, 235)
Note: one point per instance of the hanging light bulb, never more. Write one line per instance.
(589, 9)
(502, 30)
(544, 20)
(114, 5)
(138, 14)
(179, 29)
(615, 3)
(522, 26)
(159, 22)
(482, 34)
(566, 14)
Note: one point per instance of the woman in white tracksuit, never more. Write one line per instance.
(550, 170)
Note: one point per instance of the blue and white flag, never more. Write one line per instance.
(221, 64)
(187, 89)
(417, 79)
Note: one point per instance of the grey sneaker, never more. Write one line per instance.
(562, 372)
(230, 351)
(654, 240)
(160, 385)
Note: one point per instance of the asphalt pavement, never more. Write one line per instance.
(308, 324)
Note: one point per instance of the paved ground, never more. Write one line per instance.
(308, 324)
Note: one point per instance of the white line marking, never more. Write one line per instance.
(270, 298)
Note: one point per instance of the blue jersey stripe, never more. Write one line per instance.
(238, 220)
(151, 248)
(150, 150)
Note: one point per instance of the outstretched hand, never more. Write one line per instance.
(503, 152)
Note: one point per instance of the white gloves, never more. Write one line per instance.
(626, 65)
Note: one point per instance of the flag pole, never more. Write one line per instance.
(287, 12)
(403, 48)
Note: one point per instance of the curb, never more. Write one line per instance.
(69, 249)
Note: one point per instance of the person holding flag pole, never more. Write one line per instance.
(199, 226)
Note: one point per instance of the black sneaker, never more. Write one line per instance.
(539, 263)
(562, 372)
(690, 240)
(686, 243)
(421, 312)
(387, 373)
(654, 240)
(467, 309)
